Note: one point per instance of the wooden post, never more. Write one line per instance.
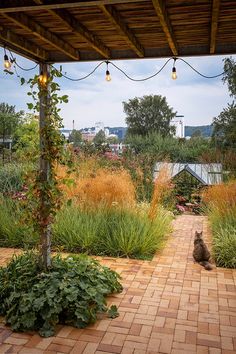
(44, 173)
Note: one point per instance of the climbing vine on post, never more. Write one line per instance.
(45, 192)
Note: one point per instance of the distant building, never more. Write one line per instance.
(6, 143)
(99, 126)
(66, 133)
(88, 135)
(179, 128)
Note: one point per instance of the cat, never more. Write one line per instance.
(200, 251)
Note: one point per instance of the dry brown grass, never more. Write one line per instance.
(99, 186)
(162, 187)
(221, 197)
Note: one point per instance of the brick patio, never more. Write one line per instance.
(169, 305)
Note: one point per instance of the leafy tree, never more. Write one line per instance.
(112, 140)
(26, 139)
(100, 138)
(75, 137)
(149, 114)
(224, 125)
(9, 119)
(230, 75)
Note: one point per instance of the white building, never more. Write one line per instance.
(99, 126)
(179, 127)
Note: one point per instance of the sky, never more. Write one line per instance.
(92, 100)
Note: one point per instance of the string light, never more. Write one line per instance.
(7, 62)
(108, 75)
(174, 75)
(42, 79)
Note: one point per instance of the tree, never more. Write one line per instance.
(229, 76)
(224, 126)
(149, 114)
(9, 121)
(26, 138)
(112, 140)
(75, 137)
(224, 132)
(100, 138)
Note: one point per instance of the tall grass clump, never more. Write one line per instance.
(162, 188)
(221, 204)
(111, 231)
(100, 186)
(12, 177)
(14, 232)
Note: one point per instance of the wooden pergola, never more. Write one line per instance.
(69, 30)
(52, 31)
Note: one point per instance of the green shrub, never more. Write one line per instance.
(14, 232)
(224, 246)
(110, 231)
(72, 292)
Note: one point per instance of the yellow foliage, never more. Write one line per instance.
(162, 187)
(100, 186)
(221, 197)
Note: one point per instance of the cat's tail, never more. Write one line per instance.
(206, 265)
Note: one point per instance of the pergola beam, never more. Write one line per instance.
(214, 24)
(59, 5)
(12, 39)
(79, 29)
(41, 32)
(161, 11)
(115, 18)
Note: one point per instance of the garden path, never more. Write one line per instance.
(169, 305)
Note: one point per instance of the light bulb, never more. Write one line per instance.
(7, 63)
(108, 76)
(174, 75)
(42, 79)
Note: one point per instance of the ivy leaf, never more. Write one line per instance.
(22, 81)
(30, 105)
(113, 312)
(8, 72)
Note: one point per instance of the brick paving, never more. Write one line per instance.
(169, 305)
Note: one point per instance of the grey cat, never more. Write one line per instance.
(200, 251)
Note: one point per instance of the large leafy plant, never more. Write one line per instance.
(71, 292)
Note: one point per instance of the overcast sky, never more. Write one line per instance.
(93, 100)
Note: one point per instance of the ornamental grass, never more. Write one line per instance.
(221, 207)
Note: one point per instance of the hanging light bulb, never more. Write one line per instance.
(42, 79)
(108, 75)
(174, 75)
(7, 62)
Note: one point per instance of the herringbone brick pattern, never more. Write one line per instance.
(169, 305)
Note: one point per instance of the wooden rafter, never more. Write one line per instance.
(160, 8)
(115, 18)
(17, 41)
(79, 29)
(15, 7)
(41, 32)
(214, 24)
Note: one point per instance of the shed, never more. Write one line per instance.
(206, 174)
